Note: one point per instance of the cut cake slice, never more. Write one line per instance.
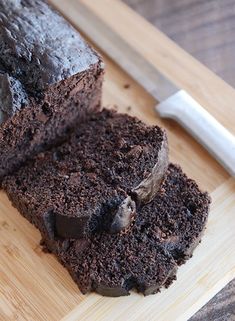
(109, 163)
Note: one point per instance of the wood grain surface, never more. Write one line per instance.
(34, 286)
(203, 28)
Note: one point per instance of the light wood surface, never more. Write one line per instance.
(34, 286)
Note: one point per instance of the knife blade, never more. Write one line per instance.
(174, 102)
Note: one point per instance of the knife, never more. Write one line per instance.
(174, 102)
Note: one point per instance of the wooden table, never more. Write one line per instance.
(206, 30)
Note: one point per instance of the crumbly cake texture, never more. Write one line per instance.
(94, 180)
(162, 235)
(145, 257)
(49, 80)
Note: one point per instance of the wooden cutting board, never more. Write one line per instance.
(34, 286)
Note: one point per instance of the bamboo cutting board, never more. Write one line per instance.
(34, 286)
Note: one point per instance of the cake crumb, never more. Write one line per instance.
(128, 108)
(126, 86)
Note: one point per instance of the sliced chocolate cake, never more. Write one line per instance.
(49, 80)
(113, 265)
(145, 256)
(97, 184)
(93, 181)
(66, 193)
(180, 212)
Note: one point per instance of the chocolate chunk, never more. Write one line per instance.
(148, 188)
(124, 215)
(70, 227)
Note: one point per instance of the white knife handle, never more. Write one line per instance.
(202, 125)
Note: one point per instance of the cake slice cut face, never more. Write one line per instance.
(49, 80)
(144, 257)
(180, 212)
(94, 180)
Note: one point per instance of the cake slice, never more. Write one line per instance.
(112, 265)
(180, 212)
(93, 181)
(145, 257)
(49, 80)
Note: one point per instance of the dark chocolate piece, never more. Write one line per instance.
(49, 80)
(89, 176)
(148, 188)
(123, 216)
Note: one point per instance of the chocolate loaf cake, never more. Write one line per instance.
(49, 80)
(75, 193)
(145, 257)
(94, 180)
